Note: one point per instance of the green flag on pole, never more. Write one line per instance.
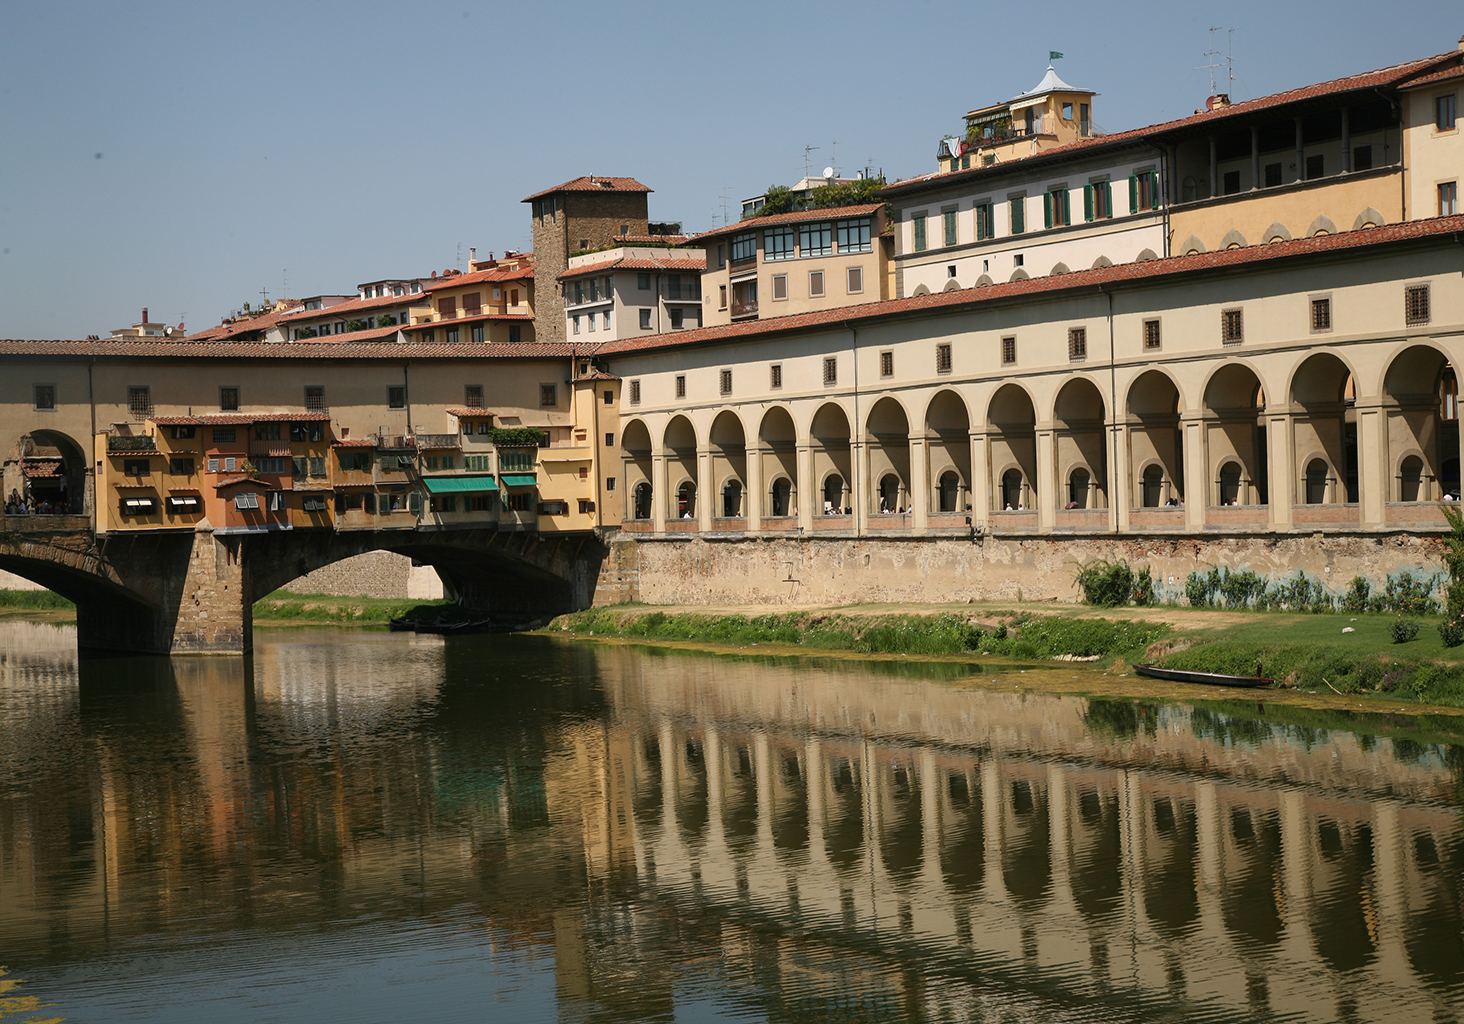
(1053, 55)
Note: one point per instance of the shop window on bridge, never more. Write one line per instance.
(516, 462)
(302, 433)
(313, 503)
(246, 500)
(224, 435)
(355, 461)
(267, 432)
(443, 503)
(273, 466)
(520, 502)
(183, 433)
(481, 502)
(553, 508)
(135, 467)
(394, 501)
(346, 502)
(138, 506)
(477, 463)
(179, 466)
(184, 503)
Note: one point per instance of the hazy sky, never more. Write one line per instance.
(187, 156)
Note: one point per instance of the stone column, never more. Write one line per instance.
(660, 500)
(805, 486)
(980, 480)
(1120, 482)
(706, 490)
(861, 488)
(1374, 485)
(1196, 472)
(753, 498)
(1046, 478)
(1281, 451)
(919, 482)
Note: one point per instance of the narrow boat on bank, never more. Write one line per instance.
(1180, 675)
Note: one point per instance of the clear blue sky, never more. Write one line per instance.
(185, 156)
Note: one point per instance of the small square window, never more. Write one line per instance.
(681, 385)
(315, 398)
(815, 284)
(886, 364)
(609, 440)
(1008, 351)
(548, 395)
(1077, 344)
(943, 358)
(1415, 305)
(44, 397)
(609, 397)
(831, 370)
(1151, 335)
(724, 382)
(775, 375)
(780, 286)
(645, 319)
(722, 297)
(139, 402)
(643, 282)
(609, 483)
(229, 399)
(1321, 315)
(473, 396)
(396, 396)
(856, 280)
(1448, 198)
(1232, 326)
(224, 435)
(678, 318)
(1446, 112)
(635, 393)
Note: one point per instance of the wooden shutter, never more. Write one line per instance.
(1019, 216)
(1108, 199)
(1047, 208)
(1154, 190)
(1133, 193)
(1087, 202)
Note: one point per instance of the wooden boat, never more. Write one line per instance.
(1180, 675)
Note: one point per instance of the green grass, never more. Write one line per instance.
(1313, 653)
(1048, 637)
(33, 599)
(282, 605)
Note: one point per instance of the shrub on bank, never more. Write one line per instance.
(1110, 584)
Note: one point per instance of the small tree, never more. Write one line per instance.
(779, 199)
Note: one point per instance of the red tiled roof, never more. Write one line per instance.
(653, 239)
(1399, 75)
(1150, 270)
(240, 419)
(187, 351)
(597, 375)
(522, 273)
(515, 317)
(463, 411)
(230, 481)
(635, 263)
(795, 217)
(350, 337)
(352, 442)
(1442, 75)
(263, 322)
(35, 468)
(592, 183)
(340, 309)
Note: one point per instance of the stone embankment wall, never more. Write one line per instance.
(795, 571)
(375, 574)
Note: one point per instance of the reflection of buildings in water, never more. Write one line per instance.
(1000, 831)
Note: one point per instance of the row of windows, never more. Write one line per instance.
(803, 241)
(1144, 194)
(853, 285)
(593, 318)
(140, 405)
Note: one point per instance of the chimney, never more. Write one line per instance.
(472, 255)
(1217, 102)
(144, 314)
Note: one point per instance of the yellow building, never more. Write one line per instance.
(1049, 115)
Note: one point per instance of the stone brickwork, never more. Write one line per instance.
(382, 574)
(594, 218)
(817, 570)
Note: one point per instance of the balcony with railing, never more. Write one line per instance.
(131, 443)
(744, 310)
(437, 441)
(395, 442)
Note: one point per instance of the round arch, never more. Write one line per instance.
(635, 476)
(1234, 399)
(680, 441)
(948, 451)
(830, 439)
(1322, 389)
(777, 447)
(1153, 403)
(1420, 392)
(1078, 415)
(887, 447)
(728, 442)
(1011, 418)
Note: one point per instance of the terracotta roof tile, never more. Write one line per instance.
(653, 239)
(350, 306)
(1442, 75)
(230, 481)
(352, 442)
(461, 411)
(511, 317)
(263, 322)
(597, 375)
(795, 217)
(351, 337)
(522, 273)
(634, 263)
(240, 419)
(1150, 270)
(593, 183)
(152, 348)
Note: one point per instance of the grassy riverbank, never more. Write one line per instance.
(1306, 652)
(286, 608)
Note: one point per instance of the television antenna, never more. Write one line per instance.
(1229, 63)
(806, 151)
(833, 159)
(265, 292)
(724, 194)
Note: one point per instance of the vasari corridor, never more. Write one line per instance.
(1023, 588)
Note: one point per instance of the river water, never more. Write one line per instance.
(364, 826)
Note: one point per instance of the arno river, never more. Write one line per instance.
(363, 826)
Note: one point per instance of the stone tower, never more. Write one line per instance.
(586, 213)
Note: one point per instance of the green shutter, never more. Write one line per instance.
(414, 502)
(1047, 208)
(1133, 193)
(1019, 215)
(1108, 198)
(1154, 189)
(1087, 202)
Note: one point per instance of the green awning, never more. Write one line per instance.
(459, 484)
(518, 479)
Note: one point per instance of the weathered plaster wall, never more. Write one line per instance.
(792, 571)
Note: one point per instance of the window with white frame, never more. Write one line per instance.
(779, 244)
(780, 286)
(853, 234)
(816, 239)
(816, 284)
(855, 279)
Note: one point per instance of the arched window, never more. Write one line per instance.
(642, 501)
(782, 497)
(1230, 483)
(1316, 482)
(686, 501)
(889, 493)
(1153, 487)
(1078, 485)
(1410, 479)
(950, 491)
(833, 495)
(1011, 489)
(732, 499)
